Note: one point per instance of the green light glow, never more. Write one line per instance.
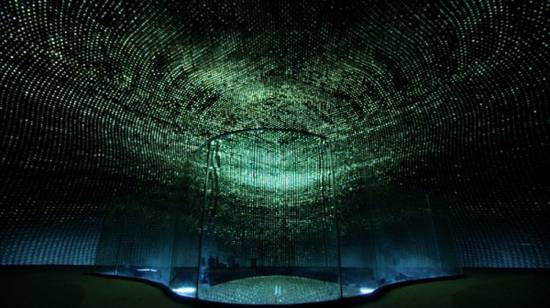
(271, 164)
(274, 181)
(277, 172)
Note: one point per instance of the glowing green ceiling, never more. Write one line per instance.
(444, 96)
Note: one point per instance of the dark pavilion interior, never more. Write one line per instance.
(177, 153)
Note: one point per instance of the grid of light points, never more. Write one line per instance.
(103, 99)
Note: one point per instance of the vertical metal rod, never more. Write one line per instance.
(336, 218)
(434, 231)
(201, 223)
(324, 211)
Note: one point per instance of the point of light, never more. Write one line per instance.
(366, 290)
(185, 291)
(146, 270)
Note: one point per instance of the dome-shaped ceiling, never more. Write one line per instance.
(101, 98)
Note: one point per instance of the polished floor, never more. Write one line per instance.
(72, 288)
(271, 290)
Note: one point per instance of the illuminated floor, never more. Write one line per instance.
(271, 290)
(24, 288)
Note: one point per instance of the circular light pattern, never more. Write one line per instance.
(272, 290)
(102, 99)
